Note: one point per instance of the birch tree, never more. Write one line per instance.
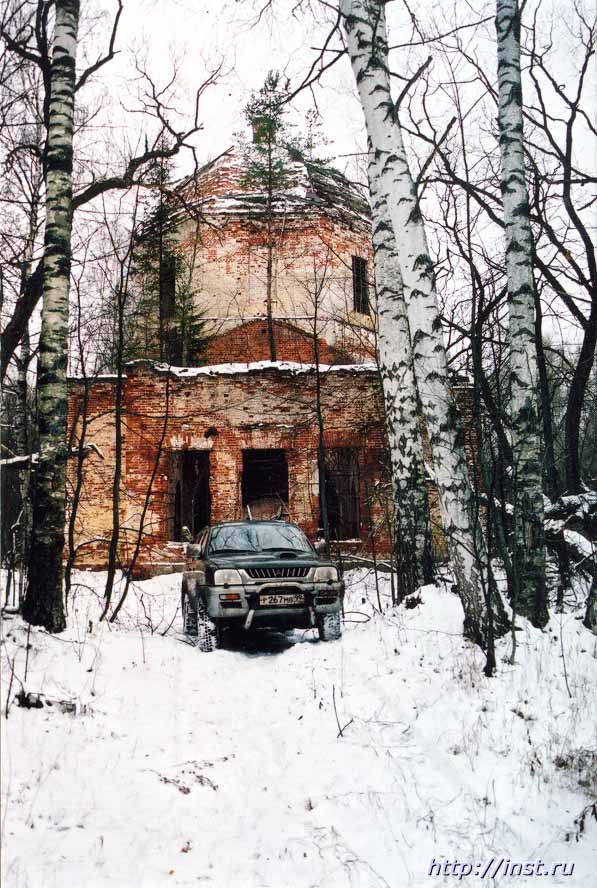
(365, 29)
(558, 125)
(400, 400)
(528, 542)
(44, 602)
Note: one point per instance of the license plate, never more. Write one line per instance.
(281, 600)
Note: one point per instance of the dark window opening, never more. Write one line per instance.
(189, 485)
(342, 492)
(170, 345)
(265, 483)
(167, 274)
(177, 535)
(360, 285)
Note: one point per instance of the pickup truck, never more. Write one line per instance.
(244, 574)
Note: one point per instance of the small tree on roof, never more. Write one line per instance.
(267, 172)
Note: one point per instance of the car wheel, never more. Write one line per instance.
(208, 634)
(329, 627)
(189, 614)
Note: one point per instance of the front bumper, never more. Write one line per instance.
(317, 599)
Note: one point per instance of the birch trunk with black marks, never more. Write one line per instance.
(400, 402)
(23, 446)
(44, 603)
(365, 28)
(528, 535)
(321, 467)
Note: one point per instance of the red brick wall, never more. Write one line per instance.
(224, 414)
(312, 262)
(250, 342)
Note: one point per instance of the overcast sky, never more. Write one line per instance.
(203, 34)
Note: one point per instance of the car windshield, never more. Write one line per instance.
(245, 538)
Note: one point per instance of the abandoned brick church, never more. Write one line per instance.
(240, 434)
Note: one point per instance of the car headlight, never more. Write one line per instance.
(326, 575)
(227, 577)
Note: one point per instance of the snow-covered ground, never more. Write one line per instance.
(157, 765)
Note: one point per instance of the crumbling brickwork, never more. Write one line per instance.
(249, 342)
(318, 226)
(223, 414)
(225, 440)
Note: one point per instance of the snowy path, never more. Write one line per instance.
(226, 770)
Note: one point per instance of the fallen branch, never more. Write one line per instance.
(340, 729)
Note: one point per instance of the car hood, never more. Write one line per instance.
(267, 559)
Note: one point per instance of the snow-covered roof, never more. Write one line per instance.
(293, 367)
(312, 186)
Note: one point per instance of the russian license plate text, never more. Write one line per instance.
(281, 600)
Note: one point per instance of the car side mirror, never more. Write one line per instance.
(320, 547)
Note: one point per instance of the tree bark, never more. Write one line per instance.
(365, 27)
(44, 604)
(22, 448)
(271, 334)
(552, 478)
(528, 534)
(590, 618)
(400, 402)
(118, 447)
(321, 466)
(575, 403)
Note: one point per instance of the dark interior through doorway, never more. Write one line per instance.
(342, 492)
(265, 483)
(192, 505)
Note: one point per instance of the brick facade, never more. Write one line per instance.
(217, 414)
(222, 414)
(318, 226)
(249, 342)
(237, 435)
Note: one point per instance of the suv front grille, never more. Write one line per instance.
(277, 573)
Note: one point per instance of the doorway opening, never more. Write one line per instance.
(265, 484)
(342, 492)
(189, 484)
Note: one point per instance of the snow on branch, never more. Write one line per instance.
(33, 458)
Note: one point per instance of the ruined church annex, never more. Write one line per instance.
(239, 435)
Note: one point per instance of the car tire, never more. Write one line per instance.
(189, 614)
(329, 627)
(208, 634)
